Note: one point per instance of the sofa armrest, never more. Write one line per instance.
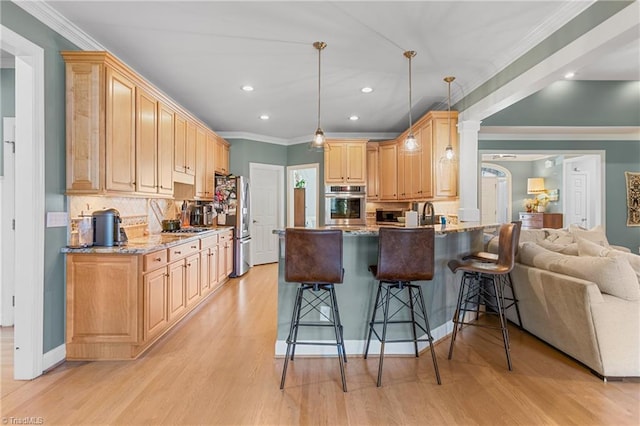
(557, 309)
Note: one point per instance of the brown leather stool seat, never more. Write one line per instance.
(313, 258)
(483, 283)
(405, 255)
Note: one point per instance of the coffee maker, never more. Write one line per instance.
(107, 230)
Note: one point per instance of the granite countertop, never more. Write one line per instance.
(439, 229)
(149, 243)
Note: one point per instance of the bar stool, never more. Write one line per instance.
(477, 277)
(313, 258)
(404, 255)
(483, 256)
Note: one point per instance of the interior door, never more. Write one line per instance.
(489, 199)
(266, 197)
(7, 214)
(578, 199)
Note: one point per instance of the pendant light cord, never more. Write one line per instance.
(319, 45)
(409, 54)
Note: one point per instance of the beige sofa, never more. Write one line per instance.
(580, 295)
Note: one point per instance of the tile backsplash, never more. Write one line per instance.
(135, 212)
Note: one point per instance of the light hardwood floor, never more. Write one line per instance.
(218, 367)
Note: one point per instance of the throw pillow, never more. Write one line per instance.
(613, 275)
(532, 254)
(559, 236)
(595, 234)
(588, 248)
(571, 249)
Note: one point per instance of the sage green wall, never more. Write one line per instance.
(16, 19)
(300, 154)
(245, 151)
(620, 156)
(575, 103)
(7, 103)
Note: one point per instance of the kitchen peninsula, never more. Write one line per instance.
(120, 300)
(357, 293)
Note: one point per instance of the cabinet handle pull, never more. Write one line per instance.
(194, 246)
(188, 264)
(167, 275)
(177, 252)
(157, 259)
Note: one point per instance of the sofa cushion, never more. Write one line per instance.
(612, 275)
(589, 248)
(595, 234)
(571, 249)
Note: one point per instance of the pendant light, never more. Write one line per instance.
(318, 141)
(448, 152)
(410, 143)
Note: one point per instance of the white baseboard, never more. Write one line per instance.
(356, 347)
(53, 357)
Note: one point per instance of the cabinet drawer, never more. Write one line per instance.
(208, 241)
(225, 236)
(183, 250)
(154, 260)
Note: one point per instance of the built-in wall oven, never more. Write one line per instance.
(345, 205)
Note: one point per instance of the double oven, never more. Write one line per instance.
(345, 205)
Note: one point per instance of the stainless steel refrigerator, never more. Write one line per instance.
(232, 205)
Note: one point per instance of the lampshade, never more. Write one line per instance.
(535, 185)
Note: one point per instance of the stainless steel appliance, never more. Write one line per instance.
(208, 214)
(107, 230)
(196, 217)
(388, 217)
(345, 205)
(231, 202)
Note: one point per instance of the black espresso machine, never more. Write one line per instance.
(107, 229)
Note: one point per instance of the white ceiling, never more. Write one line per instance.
(200, 53)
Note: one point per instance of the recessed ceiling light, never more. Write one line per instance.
(569, 75)
(354, 118)
(264, 117)
(247, 88)
(366, 90)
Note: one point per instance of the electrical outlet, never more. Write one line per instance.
(325, 313)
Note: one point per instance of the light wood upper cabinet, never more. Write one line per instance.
(146, 142)
(414, 168)
(210, 152)
(445, 173)
(372, 172)
(388, 170)
(120, 133)
(346, 162)
(166, 135)
(221, 156)
(201, 162)
(123, 134)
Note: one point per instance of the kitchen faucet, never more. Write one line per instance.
(423, 218)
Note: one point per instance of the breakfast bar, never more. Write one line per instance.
(356, 295)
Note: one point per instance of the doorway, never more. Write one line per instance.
(29, 199)
(267, 210)
(495, 204)
(581, 197)
(304, 176)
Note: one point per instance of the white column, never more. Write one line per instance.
(468, 169)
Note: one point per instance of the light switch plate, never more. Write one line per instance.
(57, 219)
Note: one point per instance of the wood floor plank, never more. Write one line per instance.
(218, 367)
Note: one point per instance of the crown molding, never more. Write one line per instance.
(58, 23)
(304, 139)
(556, 133)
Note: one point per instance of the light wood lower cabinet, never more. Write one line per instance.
(119, 304)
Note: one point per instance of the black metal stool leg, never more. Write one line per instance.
(456, 314)
(339, 321)
(413, 320)
(294, 326)
(338, 332)
(429, 336)
(299, 301)
(384, 333)
(373, 318)
(503, 325)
